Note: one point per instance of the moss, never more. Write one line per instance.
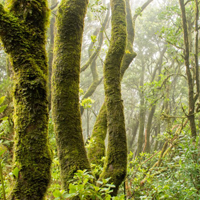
(116, 157)
(96, 148)
(25, 42)
(65, 91)
(99, 132)
(50, 51)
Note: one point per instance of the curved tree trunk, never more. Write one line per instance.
(65, 93)
(96, 148)
(22, 32)
(116, 157)
(101, 124)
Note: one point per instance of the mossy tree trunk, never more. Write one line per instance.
(50, 50)
(65, 88)
(127, 59)
(22, 31)
(116, 157)
(100, 128)
(96, 148)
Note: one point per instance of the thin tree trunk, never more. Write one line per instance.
(153, 108)
(142, 112)
(134, 133)
(191, 116)
(93, 66)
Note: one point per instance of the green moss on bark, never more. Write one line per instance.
(100, 125)
(96, 148)
(116, 157)
(25, 40)
(65, 93)
(50, 51)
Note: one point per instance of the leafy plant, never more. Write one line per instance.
(87, 103)
(84, 186)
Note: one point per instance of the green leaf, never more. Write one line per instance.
(2, 100)
(100, 182)
(2, 108)
(57, 193)
(70, 195)
(2, 149)
(93, 38)
(72, 188)
(4, 118)
(16, 172)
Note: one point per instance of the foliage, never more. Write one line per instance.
(85, 186)
(87, 103)
(177, 177)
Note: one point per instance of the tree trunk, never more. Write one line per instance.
(22, 31)
(116, 157)
(153, 107)
(142, 112)
(100, 123)
(191, 99)
(96, 148)
(50, 51)
(133, 133)
(93, 66)
(65, 90)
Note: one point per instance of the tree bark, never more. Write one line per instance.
(65, 90)
(22, 31)
(191, 99)
(127, 59)
(50, 51)
(96, 148)
(116, 158)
